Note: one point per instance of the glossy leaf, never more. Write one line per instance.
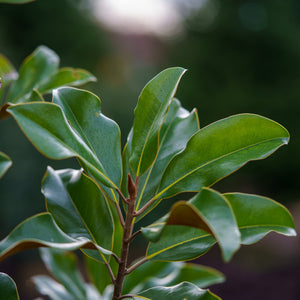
(5, 163)
(209, 211)
(175, 132)
(184, 290)
(7, 72)
(66, 76)
(41, 231)
(220, 149)
(78, 206)
(180, 243)
(63, 266)
(40, 71)
(48, 129)
(48, 287)
(101, 134)
(153, 274)
(8, 288)
(257, 216)
(149, 115)
(35, 70)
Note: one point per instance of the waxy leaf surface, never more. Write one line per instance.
(8, 288)
(63, 266)
(179, 243)
(48, 129)
(42, 231)
(257, 216)
(149, 115)
(152, 274)
(175, 132)
(184, 290)
(209, 211)
(78, 206)
(220, 149)
(101, 134)
(5, 163)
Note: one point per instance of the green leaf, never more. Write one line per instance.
(184, 290)
(48, 287)
(209, 211)
(97, 273)
(35, 70)
(220, 149)
(63, 266)
(78, 206)
(66, 76)
(149, 115)
(8, 288)
(48, 129)
(175, 132)
(179, 243)
(41, 231)
(152, 274)
(5, 163)
(16, 1)
(101, 134)
(257, 216)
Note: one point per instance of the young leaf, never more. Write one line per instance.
(48, 129)
(8, 288)
(149, 115)
(220, 149)
(175, 132)
(35, 70)
(5, 163)
(78, 206)
(63, 266)
(257, 216)
(184, 290)
(101, 134)
(41, 231)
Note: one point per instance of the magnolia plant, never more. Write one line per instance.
(98, 207)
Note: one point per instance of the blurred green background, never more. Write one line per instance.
(241, 56)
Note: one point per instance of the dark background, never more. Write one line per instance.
(245, 59)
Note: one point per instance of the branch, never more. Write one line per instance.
(120, 214)
(134, 235)
(111, 274)
(147, 205)
(136, 265)
(122, 196)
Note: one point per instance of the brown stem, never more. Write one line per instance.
(147, 205)
(136, 265)
(129, 221)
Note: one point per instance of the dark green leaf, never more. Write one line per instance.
(175, 132)
(63, 266)
(41, 231)
(8, 288)
(180, 243)
(5, 163)
(184, 290)
(101, 134)
(48, 129)
(220, 149)
(257, 216)
(78, 206)
(149, 115)
(66, 76)
(209, 211)
(35, 70)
